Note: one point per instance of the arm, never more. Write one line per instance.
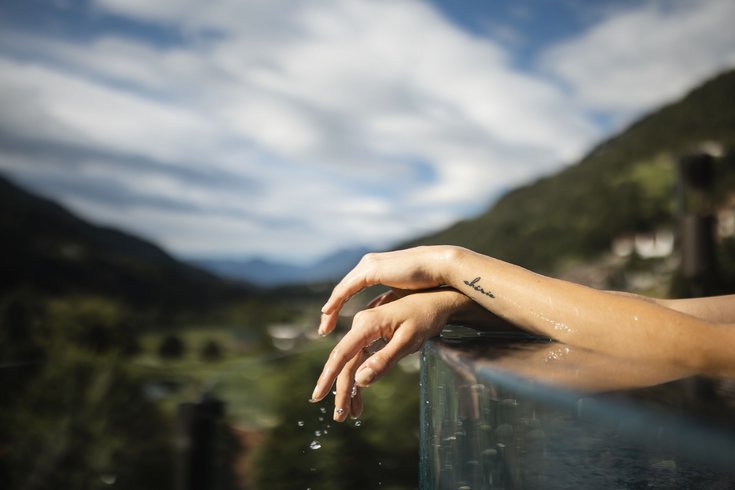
(618, 324)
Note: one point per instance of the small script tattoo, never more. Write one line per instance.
(473, 284)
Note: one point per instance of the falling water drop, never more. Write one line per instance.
(300, 423)
(315, 445)
(358, 423)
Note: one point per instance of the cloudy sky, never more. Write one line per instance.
(289, 129)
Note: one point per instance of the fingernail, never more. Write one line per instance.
(365, 376)
(339, 414)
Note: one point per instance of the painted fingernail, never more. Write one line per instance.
(365, 376)
(339, 414)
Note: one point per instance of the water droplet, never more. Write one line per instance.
(321, 419)
(315, 445)
(300, 423)
(358, 423)
(108, 479)
(325, 432)
(318, 433)
(322, 410)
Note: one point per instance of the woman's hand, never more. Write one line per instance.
(402, 322)
(413, 269)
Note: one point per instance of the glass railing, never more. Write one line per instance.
(529, 413)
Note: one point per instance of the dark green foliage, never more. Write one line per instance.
(211, 351)
(626, 184)
(71, 414)
(382, 452)
(172, 347)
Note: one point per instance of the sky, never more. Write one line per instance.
(290, 129)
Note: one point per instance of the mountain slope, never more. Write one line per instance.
(623, 185)
(269, 274)
(48, 249)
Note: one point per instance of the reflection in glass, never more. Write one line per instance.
(500, 414)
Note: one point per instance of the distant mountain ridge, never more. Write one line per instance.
(48, 249)
(625, 184)
(267, 273)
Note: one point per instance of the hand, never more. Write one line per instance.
(400, 320)
(413, 269)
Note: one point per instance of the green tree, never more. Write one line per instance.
(172, 347)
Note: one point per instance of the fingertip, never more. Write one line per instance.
(364, 377)
(317, 395)
(328, 306)
(340, 414)
(327, 324)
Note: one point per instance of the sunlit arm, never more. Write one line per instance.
(618, 324)
(621, 325)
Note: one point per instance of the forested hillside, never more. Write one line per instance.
(625, 184)
(47, 249)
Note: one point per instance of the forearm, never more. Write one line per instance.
(718, 309)
(622, 325)
(464, 311)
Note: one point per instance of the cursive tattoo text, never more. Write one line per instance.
(474, 285)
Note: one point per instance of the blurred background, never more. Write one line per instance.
(182, 182)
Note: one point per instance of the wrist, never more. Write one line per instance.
(447, 258)
(451, 305)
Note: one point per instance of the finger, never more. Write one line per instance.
(347, 348)
(328, 323)
(345, 387)
(377, 365)
(355, 281)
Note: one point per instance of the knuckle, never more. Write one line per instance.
(363, 319)
(338, 356)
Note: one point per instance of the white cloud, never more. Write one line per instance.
(646, 56)
(352, 121)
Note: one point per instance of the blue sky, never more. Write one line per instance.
(289, 129)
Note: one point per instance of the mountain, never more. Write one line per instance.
(47, 249)
(267, 273)
(624, 185)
